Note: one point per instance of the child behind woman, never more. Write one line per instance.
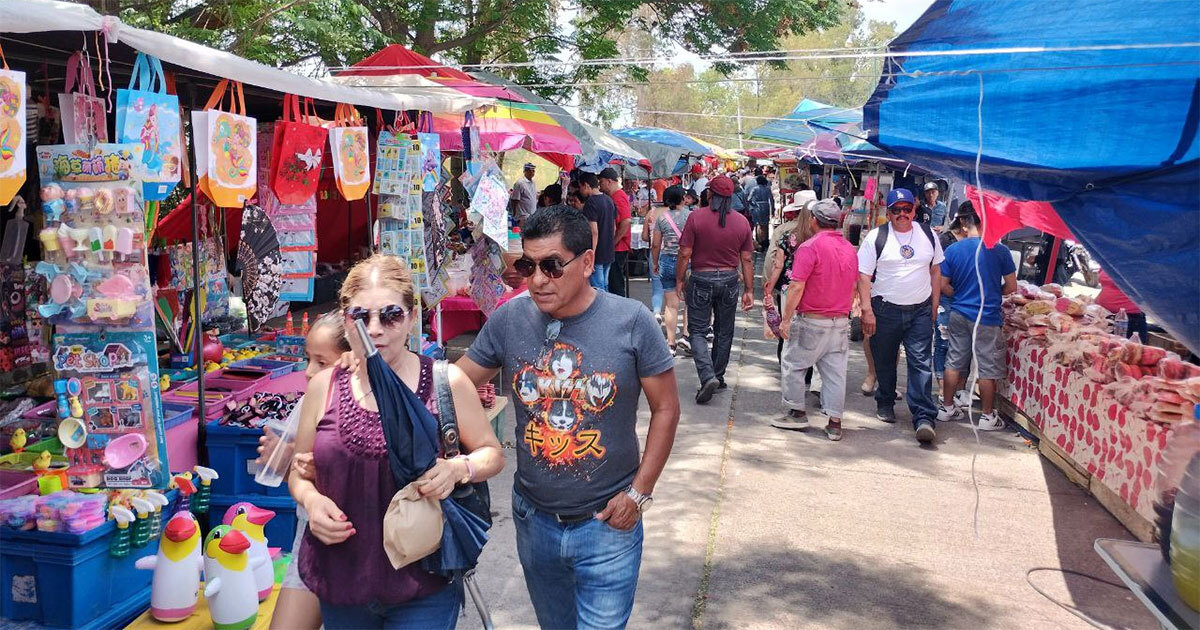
(297, 608)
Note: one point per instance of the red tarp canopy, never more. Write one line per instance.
(1004, 215)
(396, 59)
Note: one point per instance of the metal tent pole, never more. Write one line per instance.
(189, 91)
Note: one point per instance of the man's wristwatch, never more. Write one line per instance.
(643, 501)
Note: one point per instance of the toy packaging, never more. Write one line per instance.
(110, 410)
(94, 256)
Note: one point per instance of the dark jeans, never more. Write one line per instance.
(912, 326)
(439, 610)
(616, 274)
(712, 299)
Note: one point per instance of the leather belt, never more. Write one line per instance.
(903, 307)
(571, 519)
(708, 269)
(822, 316)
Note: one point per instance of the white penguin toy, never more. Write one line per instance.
(177, 565)
(249, 520)
(229, 579)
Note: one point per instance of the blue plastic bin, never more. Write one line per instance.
(280, 531)
(231, 452)
(175, 414)
(275, 368)
(66, 580)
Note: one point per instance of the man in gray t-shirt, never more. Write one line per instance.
(578, 360)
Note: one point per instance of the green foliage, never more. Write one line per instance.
(340, 32)
(767, 90)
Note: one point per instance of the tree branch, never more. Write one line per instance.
(471, 36)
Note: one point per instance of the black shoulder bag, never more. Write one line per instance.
(472, 496)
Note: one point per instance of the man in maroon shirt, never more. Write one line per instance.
(718, 243)
(610, 186)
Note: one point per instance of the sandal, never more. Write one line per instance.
(833, 431)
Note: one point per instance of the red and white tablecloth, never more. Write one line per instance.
(1087, 423)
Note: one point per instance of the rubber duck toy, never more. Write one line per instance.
(18, 440)
(229, 579)
(42, 462)
(249, 519)
(177, 565)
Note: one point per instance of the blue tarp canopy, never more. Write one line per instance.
(1106, 132)
(804, 123)
(668, 137)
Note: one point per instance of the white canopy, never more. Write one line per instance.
(36, 16)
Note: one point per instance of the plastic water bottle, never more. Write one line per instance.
(273, 472)
(1121, 324)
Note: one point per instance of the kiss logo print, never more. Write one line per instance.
(559, 399)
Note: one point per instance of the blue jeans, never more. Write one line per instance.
(667, 266)
(712, 300)
(579, 575)
(439, 610)
(599, 279)
(656, 294)
(914, 328)
(940, 345)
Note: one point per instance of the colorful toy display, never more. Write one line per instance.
(175, 588)
(110, 399)
(249, 519)
(229, 583)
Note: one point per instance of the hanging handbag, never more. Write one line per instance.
(81, 112)
(296, 153)
(12, 131)
(226, 148)
(351, 158)
(148, 116)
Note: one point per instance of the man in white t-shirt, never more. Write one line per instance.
(899, 284)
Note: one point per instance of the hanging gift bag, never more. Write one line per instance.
(296, 153)
(431, 153)
(12, 131)
(81, 112)
(351, 161)
(226, 149)
(148, 116)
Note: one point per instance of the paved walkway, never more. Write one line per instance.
(753, 527)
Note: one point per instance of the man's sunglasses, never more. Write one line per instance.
(389, 315)
(905, 209)
(553, 267)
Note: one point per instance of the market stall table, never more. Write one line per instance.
(461, 315)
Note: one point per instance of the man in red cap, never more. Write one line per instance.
(718, 244)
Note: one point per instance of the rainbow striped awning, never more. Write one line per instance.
(510, 125)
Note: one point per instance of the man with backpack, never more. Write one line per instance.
(899, 287)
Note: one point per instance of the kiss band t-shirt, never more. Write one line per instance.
(575, 386)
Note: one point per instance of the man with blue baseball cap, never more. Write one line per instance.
(899, 285)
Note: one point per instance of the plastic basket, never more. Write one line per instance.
(280, 530)
(231, 452)
(275, 369)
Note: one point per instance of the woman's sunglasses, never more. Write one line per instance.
(389, 315)
(553, 267)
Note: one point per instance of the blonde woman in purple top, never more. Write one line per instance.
(343, 560)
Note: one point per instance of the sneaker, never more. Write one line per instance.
(868, 386)
(833, 431)
(886, 414)
(990, 422)
(706, 391)
(710, 337)
(721, 384)
(962, 398)
(793, 421)
(925, 432)
(949, 414)
(684, 345)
